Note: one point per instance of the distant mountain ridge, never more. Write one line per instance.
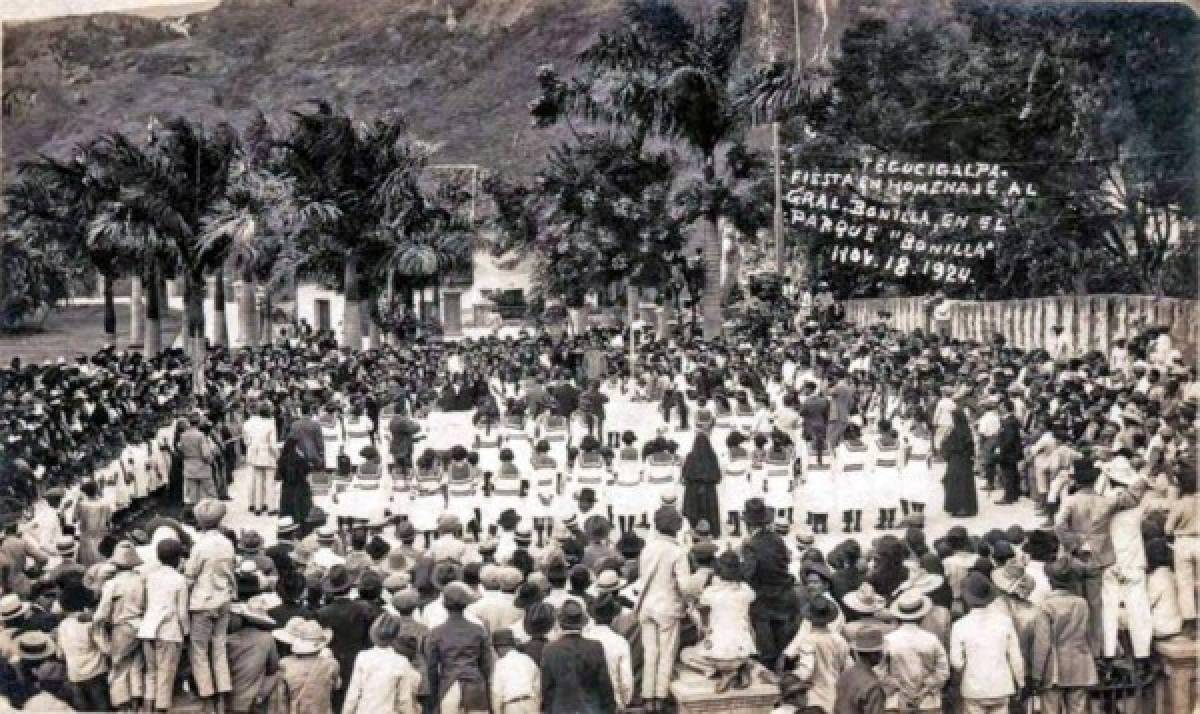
(461, 71)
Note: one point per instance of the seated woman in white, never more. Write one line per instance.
(627, 501)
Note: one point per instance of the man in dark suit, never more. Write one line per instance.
(350, 621)
(842, 402)
(1008, 453)
(309, 437)
(765, 569)
(566, 397)
(405, 432)
(574, 670)
(814, 413)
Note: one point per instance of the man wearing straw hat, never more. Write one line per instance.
(122, 606)
(985, 648)
(915, 662)
(859, 690)
(210, 569)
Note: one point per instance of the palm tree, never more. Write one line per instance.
(357, 190)
(167, 191)
(244, 229)
(59, 199)
(661, 74)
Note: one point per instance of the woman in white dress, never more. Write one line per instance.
(428, 496)
(357, 431)
(590, 470)
(508, 489)
(916, 481)
(333, 434)
(884, 475)
(462, 488)
(815, 493)
(545, 487)
(366, 499)
(778, 476)
(735, 487)
(850, 478)
(627, 505)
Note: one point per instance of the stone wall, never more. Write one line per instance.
(1091, 321)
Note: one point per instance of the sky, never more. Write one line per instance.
(22, 10)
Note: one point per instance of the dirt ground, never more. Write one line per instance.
(74, 330)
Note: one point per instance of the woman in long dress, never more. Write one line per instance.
(701, 476)
(958, 448)
(295, 497)
(735, 487)
(95, 521)
(915, 470)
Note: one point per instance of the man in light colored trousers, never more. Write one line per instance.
(209, 568)
(664, 565)
(262, 455)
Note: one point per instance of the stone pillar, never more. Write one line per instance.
(136, 310)
(452, 312)
(1177, 688)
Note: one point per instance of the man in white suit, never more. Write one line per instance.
(262, 454)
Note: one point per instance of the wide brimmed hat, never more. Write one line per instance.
(911, 605)
(66, 546)
(304, 636)
(755, 513)
(924, 583)
(865, 600)
(819, 569)
(209, 512)
(12, 607)
(822, 611)
(608, 582)
(1009, 577)
(125, 555)
(254, 611)
(286, 525)
(977, 590)
(35, 646)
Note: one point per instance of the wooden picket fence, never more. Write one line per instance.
(1092, 322)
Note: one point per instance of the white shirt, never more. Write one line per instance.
(516, 678)
(617, 654)
(984, 646)
(383, 681)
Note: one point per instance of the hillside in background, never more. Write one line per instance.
(461, 71)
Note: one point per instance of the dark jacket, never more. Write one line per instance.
(309, 438)
(403, 431)
(765, 568)
(350, 622)
(859, 692)
(1009, 449)
(460, 651)
(575, 677)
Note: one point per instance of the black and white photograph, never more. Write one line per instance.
(599, 356)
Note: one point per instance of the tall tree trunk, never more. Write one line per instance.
(154, 308)
(110, 310)
(136, 311)
(710, 296)
(374, 330)
(247, 311)
(220, 324)
(193, 301)
(352, 314)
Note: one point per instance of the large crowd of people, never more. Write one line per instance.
(599, 522)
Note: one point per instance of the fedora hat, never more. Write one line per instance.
(35, 646)
(286, 525)
(12, 607)
(977, 590)
(755, 512)
(304, 636)
(571, 616)
(337, 581)
(254, 611)
(911, 605)
(66, 546)
(865, 600)
(822, 611)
